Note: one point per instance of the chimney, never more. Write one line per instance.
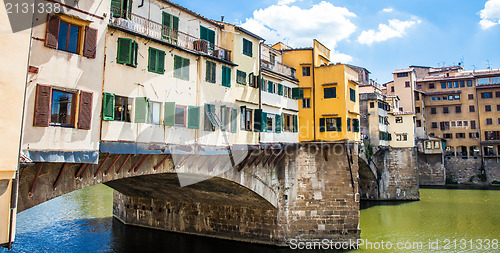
(221, 18)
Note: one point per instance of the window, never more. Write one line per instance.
(208, 35)
(123, 107)
(169, 31)
(355, 125)
(445, 125)
(287, 122)
(64, 34)
(68, 37)
(432, 86)
(450, 85)
(489, 121)
(472, 108)
(443, 85)
(306, 71)
(402, 74)
(181, 68)
(225, 114)
(417, 96)
(419, 123)
(330, 124)
(251, 80)
(63, 105)
(497, 94)
(486, 95)
(417, 109)
(348, 124)
(156, 63)
(462, 84)
(453, 124)
(498, 121)
(121, 8)
(247, 47)
(448, 136)
(457, 97)
(407, 84)
(270, 87)
(399, 120)
(127, 52)
(154, 113)
(330, 92)
(372, 105)
(458, 109)
(211, 76)
(471, 96)
(492, 135)
(469, 83)
(419, 86)
(352, 94)
(460, 135)
(483, 81)
(211, 120)
(472, 124)
(474, 135)
(487, 108)
(401, 137)
(306, 103)
(241, 77)
(392, 88)
(433, 110)
(226, 76)
(270, 123)
(272, 58)
(434, 125)
(455, 85)
(433, 98)
(246, 116)
(180, 116)
(446, 110)
(466, 123)
(498, 108)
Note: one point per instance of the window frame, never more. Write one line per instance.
(184, 117)
(74, 95)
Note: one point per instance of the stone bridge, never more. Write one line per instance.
(307, 192)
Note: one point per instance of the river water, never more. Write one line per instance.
(82, 222)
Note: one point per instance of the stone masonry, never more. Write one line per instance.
(431, 169)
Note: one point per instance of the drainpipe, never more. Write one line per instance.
(313, 94)
(259, 82)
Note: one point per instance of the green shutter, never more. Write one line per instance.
(270, 86)
(257, 119)
(355, 123)
(141, 109)
(152, 60)
(108, 107)
(175, 23)
(194, 117)
(264, 122)
(169, 114)
(247, 47)
(161, 62)
(133, 52)
(166, 20)
(116, 7)
(185, 69)
(211, 36)
(322, 124)
(301, 93)
(283, 121)
(278, 123)
(234, 122)
(295, 124)
(296, 93)
(203, 33)
(280, 89)
(124, 51)
(339, 124)
(226, 76)
(262, 83)
(177, 66)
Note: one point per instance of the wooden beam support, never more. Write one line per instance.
(136, 163)
(215, 163)
(258, 162)
(204, 162)
(242, 164)
(266, 162)
(140, 164)
(101, 165)
(81, 169)
(85, 171)
(276, 157)
(63, 169)
(161, 162)
(123, 164)
(256, 158)
(36, 178)
(113, 164)
(280, 158)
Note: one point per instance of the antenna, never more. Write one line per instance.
(489, 65)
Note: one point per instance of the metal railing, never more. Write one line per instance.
(134, 23)
(279, 68)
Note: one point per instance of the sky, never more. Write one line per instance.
(379, 35)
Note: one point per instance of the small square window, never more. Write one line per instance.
(180, 116)
(306, 71)
(63, 108)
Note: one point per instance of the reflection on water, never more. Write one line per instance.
(82, 222)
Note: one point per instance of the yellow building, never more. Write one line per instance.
(330, 104)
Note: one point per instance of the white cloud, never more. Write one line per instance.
(395, 28)
(298, 27)
(490, 15)
(388, 10)
(285, 2)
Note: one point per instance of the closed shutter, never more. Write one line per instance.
(124, 51)
(177, 66)
(296, 93)
(194, 117)
(152, 60)
(257, 120)
(116, 7)
(90, 46)
(161, 62)
(270, 86)
(169, 114)
(322, 127)
(283, 121)
(264, 122)
(223, 117)
(278, 123)
(185, 69)
(166, 20)
(301, 93)
(85, 110)
(280, 89)
(349, 124)
(226, 76)
(141, 109)
(355, 127)
(203, 33)
(52, 32)
(42, 105)
(339, 124)
(108, 107)
(295, 124)
(175, 23)
(234, 120)
(243, 115)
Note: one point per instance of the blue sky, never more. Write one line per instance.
(380, 35)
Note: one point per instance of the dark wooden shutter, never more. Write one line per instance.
(90, 46)
(42, 105)
(85, 110)
(322, 124)
(257, 120)
(339, 124)
(52, 33)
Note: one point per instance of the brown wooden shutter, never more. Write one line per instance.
(42, 105)
(52, 34)
(89, 48)
(85, 110)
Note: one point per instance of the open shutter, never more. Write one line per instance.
(243, 115)
(194, 117)
(124, 51)
(283, 121)
(280, 89)
(322, 124)
(116, 7)
(169, 118)
(301, 93)
(90, 46)
(133, 53)
(166, 20)
(203, 33)
(85, 110)
(278, 123)
(141, 109)
(264, 122)
(258, 120)
(161, 62)
(108, 107)
(295, 93)
(234, 120)
(52, 32)
(175, 23)
(152, 60)
(339, 124)
(211, 36)
(295, 124)
(42, 105)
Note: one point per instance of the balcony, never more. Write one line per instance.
(137, 24)
(279, 68)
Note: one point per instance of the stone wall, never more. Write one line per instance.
(463, 171)
(431, 170)
(492, 167)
